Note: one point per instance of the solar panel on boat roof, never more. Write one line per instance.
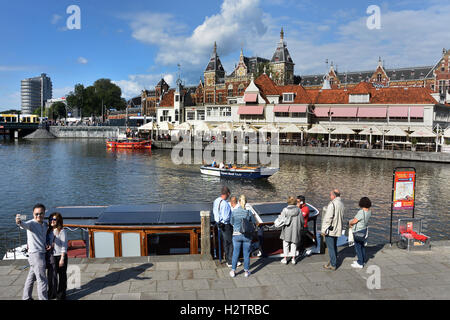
(124, 218)
(77, 212)
(269, 208)
(152, 207)
(183, 213)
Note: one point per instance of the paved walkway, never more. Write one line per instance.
(403, 275)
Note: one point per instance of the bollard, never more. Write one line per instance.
(205, 217)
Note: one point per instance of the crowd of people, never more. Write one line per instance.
(233, 219)
(47, 255)
(237, 227)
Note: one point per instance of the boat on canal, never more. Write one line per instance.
(157, 229)
(244, 172)
(129, 143)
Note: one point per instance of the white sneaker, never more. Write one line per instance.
(232, 274)
(357, 265)
(229, 265)
(284, 261)
(308, 252)
(239, 263)
(293, 261)
(247, 274)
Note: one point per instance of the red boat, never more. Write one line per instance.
(129, 144)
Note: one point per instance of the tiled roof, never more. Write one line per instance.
(267, 85)
(362, 88)
(301, 95)
(168, 99)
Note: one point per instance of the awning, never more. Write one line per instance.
(423, 133)
(447, 133)
(292, 128)
(251, 110)
(317, 129)
(165, 126)
(375, 131)
(148, 126)
(343, 130)
(396, 132)
(269, 128)
(250, 97)
(398, 112)
(281, 108)
(344, 112)
(299, 109)
(364, 112)
(416, 112)
(321, 112)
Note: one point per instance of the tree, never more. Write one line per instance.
(90, 99)
(57, 110)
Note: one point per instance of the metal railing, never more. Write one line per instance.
(10, 240)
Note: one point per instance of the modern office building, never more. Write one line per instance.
(35, 92)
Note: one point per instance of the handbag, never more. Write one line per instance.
(331, 228)
(362, 235)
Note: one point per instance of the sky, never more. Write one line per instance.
(135, 43)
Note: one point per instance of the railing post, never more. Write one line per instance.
(205, 232)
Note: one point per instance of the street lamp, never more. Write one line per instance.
(329, 128)
(370, 141)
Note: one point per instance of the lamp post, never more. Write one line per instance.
(329, 128)
(370, 141)
(301, 133)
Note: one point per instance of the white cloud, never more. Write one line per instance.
(238, 22)
(13, 68)
(61, 92)
(138, 82)
(82, 60)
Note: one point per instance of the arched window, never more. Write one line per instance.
(230, 90)
(241, 90)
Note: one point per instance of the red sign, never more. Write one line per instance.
(404, 190)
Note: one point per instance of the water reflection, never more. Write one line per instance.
(84, 172)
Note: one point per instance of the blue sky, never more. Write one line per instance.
(135, 43)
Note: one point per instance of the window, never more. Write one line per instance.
(298, 115)
(331, 81)
(230, 90)
(176, 115)
(233, 101)
(379, 77)
(288, 97)
(190, 115)
(219, 97)
(359, 98)
(241, 90)
(282, 114)
(177, 98)
(209, 98)
(225, 112)
(131, 244)
(200, 115)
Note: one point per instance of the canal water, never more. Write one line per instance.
(84, 172)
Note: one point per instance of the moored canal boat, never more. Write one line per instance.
(129, 144)
(244, 172)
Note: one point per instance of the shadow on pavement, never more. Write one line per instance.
(111, 279)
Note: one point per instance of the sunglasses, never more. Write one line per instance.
(39, 214)
(53, 219)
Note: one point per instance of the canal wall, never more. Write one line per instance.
(89, 132)
(342, 152)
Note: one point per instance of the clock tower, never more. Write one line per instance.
(282, 64)
(214, 71)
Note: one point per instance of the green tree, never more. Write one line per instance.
(57, 110)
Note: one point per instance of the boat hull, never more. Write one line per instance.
(146, 144)
(255, 173)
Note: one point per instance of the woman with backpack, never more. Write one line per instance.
(243, 222)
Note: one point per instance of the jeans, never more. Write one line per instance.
(227, 240)
(238, 241)
(332, 249)
(360, 252)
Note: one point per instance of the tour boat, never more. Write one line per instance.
(129, 144)
(239, 172)
(157, 229)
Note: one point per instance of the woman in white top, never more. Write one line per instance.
(58, 288)
(360, 228)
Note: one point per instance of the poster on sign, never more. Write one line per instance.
(404, 185)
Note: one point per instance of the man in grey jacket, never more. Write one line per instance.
(37, 246)
(332, 224)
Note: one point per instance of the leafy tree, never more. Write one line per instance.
(57, 110)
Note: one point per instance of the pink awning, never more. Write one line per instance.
(321, 112)
(364, 112)
(416, 112)
(344, 112)
(249, 110)
(250, 97)
(281, 108)
(299, 109)
(398, 112)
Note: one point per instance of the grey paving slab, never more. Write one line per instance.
(292, 290)
(169, 285)
(242, 282)
(181, 274)
(108, 296)
(208, 264)
(205, 274)
(294, 278)
(264, 293)
(126, 296)
(157, 275)
(221, 283)
(195, 284)
(155, 296)
(190, 265)
(4, 270)
(266, 279)
(183, 295)
(123, 287)
(7, 280)
(216, 294)
(237, 294)
(97, 267)
(170, 265)
(143, 286)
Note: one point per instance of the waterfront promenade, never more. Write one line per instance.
(420, 275)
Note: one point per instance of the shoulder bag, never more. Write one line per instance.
(361, 235)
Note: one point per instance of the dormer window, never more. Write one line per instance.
(288, 97)
(359, 98)
(379, 77)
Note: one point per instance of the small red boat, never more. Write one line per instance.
(129, 144)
